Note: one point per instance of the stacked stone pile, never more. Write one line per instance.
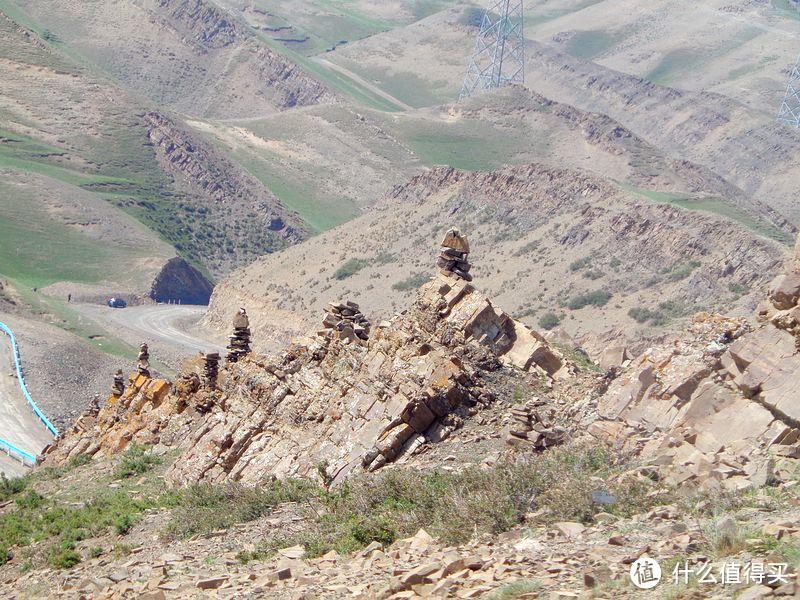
(119, 384)
(344, 320)
(529, 427)
(240, 340)
(210, 368)
(144, 360)
(453, 256)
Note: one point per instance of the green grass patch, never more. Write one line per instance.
(136, 460)
(591, 43)
(412, 282)
(715, 206)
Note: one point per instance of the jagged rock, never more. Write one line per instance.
(119, 384)
(720, 404)
(210, 369)
(350, 405)
(452, 260)
(785, 291)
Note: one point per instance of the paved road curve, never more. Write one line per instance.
(18, 424)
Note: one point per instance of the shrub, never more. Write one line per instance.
(203, 508)
(136, 460)
(596, 298)
(549, 320)
(63, 558)
(580, 264)
(412, 282)
(11, 487)
(350, 268)
(683, 271)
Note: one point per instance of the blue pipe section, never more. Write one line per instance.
(24, 388)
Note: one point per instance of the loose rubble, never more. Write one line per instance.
(345, 321)
(239, 345)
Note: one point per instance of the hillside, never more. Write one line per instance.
(66, 132)
(453, 453)
(552, 245)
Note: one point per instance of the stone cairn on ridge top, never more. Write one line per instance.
(345, 321)
(210, 368)
(453, 256)
(119, 384)
(529, 427)
(239, 345)
(144, 360)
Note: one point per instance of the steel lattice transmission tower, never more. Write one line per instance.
(790, 108)
(499, 56)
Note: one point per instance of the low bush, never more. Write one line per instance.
(597, 298)
(136, 460)
(350, 268)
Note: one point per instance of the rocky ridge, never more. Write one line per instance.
(324, 400)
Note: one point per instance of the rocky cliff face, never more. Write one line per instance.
(718, 406)
(178, 281)
(225, 196)
(211, 31)
(328, 407)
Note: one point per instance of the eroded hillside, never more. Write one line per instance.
(555, 246)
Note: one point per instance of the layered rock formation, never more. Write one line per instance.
(720, 406)
(178, 281)
(327, 407)
(225, 195)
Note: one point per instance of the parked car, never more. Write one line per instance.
(117, 303)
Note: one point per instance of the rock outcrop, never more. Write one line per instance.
(720, 406)
(327, 407)
(178, 281)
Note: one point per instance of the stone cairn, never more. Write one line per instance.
(240, 340)
(453, 256)
(119, 384)
(144, 360)
(529, 427)
(344, 320)
(210, 369)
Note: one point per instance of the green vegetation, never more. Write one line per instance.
(682, 271)
(549, 320)
(596, 298)
(527, 248)
(412, 282)
(350, 268)
(204, 508)
(580, 263)
(592, 43)
(716, 206)
(136, 460)
(666, 311)
(455, 506)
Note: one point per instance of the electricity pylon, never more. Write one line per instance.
(499, 55)
(790, 107)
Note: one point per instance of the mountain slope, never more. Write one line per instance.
(545, 240)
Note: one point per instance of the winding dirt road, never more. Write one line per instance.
(18, 424)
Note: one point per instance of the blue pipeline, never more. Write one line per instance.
(24, 388)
